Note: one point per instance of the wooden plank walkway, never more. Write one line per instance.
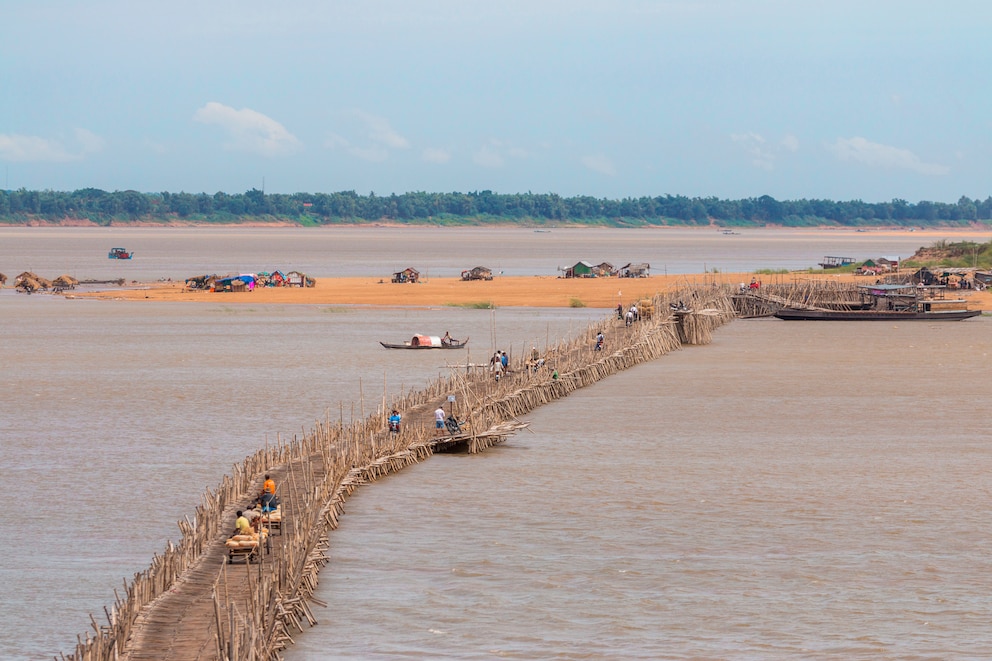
(202, 608)
(182, 623)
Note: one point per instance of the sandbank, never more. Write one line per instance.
(503, 291)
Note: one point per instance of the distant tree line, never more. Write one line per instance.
(104, 207)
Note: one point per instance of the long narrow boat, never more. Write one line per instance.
(428, 342)
(889, 302)
(795, 314)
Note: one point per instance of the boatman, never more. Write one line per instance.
(439, 418)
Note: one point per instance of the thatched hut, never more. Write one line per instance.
(27, 285)
(200, 281)
(38, 281)
(65, 281)
(478, 273)
(632, 270)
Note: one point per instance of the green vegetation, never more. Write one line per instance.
(772, 271)
(477, 208)
(473, 305)
(576, 303)
(960, 254)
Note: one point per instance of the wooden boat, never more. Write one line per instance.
(795, 314)
(890, 303)
(836, 262)
(427, 342)
(119, 253)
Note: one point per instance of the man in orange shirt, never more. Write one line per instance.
(268, 493)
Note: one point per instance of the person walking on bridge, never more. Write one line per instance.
(439, 418)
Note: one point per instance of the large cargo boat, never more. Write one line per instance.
(890, 303)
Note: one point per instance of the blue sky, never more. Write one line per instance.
(870, 99)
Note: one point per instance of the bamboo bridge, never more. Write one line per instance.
(190, 603)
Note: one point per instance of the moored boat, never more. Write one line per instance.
(119, 253)
(795, 314)
(890, 303)
(428, 342)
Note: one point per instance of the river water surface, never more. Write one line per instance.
(792, 490)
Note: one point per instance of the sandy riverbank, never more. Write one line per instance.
(533, 291)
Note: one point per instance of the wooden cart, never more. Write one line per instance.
(273, 520)
(247, 553)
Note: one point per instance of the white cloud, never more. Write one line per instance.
(156, 147)
(380, 132)
(873, 154)
(373, 154)
(249, 130)
(378, 138)
(495, 153)
(790, 142)
(31, 148)
(432, 155)
(600, 163)
(335, 141)
(89, 141)
(756, 145)
(488, 156)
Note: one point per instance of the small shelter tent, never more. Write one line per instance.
(580, 270)
(889, 263)
(297, 279)
(924, 276)
(604, 270)
(407, 275)
(641, 270)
